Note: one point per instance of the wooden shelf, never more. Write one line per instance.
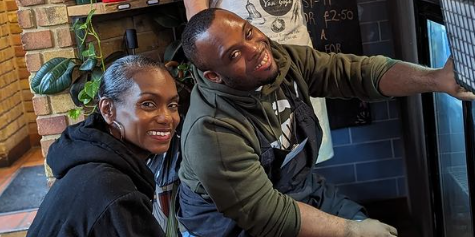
(111, 7)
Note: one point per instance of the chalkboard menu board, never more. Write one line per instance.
(334, 27)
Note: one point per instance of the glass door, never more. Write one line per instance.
(449, 127)
(450, 132)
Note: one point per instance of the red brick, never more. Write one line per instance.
(33, 61)
(45, 144)
(15, 29)
(23, 73)
(26, 3)
(51, 125)
(11, 6)
(16, 40)
(49, 16)
(65, 38)
(21, 62)
(25, 19)
(13, 17)
(26, 95)
(37, 40)
(19, 51)
(41, 105)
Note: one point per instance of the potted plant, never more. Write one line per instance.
(174, 17)
(56, 75)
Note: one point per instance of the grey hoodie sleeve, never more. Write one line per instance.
(341, 75)
(222, 154)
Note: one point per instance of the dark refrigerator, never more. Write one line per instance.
(438, 129)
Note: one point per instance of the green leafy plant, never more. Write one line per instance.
(56, 75)
(174, 18)
(91, 69)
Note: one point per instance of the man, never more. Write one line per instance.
(283, 22)
(250, 138)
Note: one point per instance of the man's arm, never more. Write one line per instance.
(408, 79)
(317, 223)
(195, 6)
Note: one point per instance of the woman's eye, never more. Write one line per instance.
(235, 54)
(148, 104)
(173, 105)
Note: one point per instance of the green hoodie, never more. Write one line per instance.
(220, 147)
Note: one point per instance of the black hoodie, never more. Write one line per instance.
(102, 187)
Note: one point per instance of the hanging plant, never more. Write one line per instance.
(56, 75)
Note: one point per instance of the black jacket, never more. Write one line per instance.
(102, 188)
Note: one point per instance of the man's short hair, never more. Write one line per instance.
(197, 25)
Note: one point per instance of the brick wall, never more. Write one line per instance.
(46, 34)
(368, 163)
(16, 124)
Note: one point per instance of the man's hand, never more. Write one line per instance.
(445, 79)
(316, 223)
(371, 228)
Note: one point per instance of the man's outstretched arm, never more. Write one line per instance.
(195, 6)
(405, 79)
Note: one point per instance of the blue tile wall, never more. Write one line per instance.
(346, 173)
(341, 136)
(369, 191)
(368, 162)
(393, 109)
(363, 152)
(379, 170)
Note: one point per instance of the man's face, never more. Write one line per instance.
(236, 52)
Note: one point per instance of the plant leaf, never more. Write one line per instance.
(90, 52)
(183, 67)
(114, 56)
(74, 113)
(88, 65)
(84, 97)
(91, 88)
(167, 20)
(172, 50)
(97, 74)
(89, 16)
(35, 82)
(54, 76)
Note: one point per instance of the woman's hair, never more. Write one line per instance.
(117, 79)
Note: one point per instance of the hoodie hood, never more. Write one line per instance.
(90, 141)
(283, 62)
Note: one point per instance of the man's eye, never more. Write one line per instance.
(249, 33)
(235, 54)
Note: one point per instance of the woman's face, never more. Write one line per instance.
(149, 110)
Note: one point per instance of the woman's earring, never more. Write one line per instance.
(121, 129)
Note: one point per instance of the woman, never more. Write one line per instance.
(103, 186)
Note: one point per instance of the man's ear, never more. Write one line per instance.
(213, 77)
(107, 108)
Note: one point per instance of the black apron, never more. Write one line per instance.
(295, 179)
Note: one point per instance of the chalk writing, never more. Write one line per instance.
(333, 25)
